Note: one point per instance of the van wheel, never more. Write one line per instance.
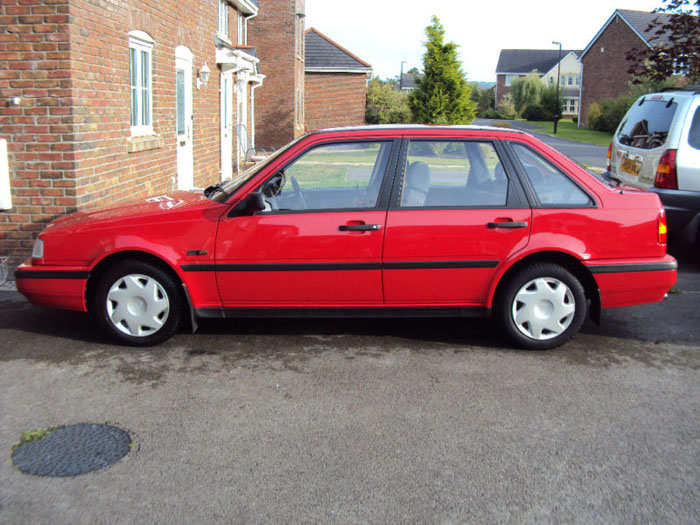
(137, 304)
(542, 306)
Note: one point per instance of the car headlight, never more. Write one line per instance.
(38, 251)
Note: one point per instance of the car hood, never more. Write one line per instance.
(161, 206)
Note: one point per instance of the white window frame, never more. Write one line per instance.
(222, 18)
(509, 80)
(241, 30)
(142, 44)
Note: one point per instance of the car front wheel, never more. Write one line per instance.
(542, 306)
(137, 304)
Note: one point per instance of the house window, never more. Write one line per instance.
(509, 79)
(140, 82)
(570, 80)
(222, 30)
(572, 105)
(562, 80)
(551, 81)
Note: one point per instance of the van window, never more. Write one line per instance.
(647, 126)
(694, 135)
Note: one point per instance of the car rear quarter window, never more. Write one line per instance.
(454, 174)
(551, 186)
(694, 134)
(647, 124)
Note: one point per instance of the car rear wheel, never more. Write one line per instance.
(542, 306)
(137, 304)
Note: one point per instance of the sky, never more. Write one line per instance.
(385, 32)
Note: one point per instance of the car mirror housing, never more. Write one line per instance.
(251, 204)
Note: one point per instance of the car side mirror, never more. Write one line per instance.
(253, 203)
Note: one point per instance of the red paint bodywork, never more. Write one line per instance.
(620, 230)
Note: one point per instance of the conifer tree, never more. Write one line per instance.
(442, 95)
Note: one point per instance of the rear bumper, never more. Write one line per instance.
(628, 282)
(53, 286)
(682, 211)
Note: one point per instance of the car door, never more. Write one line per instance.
(318, 243)
(455, 216)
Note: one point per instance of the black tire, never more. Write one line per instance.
(150, 311)
(542, 306)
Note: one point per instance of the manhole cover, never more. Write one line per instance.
(72, 450)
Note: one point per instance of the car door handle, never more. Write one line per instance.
(359, 227)
(511, 225)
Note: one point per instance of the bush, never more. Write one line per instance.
(595, 113)
(386, 105)
(536, 113)
(506, 108)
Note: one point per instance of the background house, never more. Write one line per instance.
(335, 82)
(603, 62)
(104, 101)
(516, 63)
(278, 34)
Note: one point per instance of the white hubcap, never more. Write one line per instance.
(543, 308)
(137, 305)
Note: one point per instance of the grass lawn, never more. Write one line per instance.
(566, 129)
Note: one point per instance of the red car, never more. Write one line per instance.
(368, 221)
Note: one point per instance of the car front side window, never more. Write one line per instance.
(336, 176)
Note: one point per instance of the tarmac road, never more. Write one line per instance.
(355, 421)
(587, 154)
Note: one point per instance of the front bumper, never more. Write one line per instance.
(53, 286)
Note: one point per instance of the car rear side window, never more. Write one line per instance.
(647, 123)
(694, 135)
(551, 186)
(454, 174)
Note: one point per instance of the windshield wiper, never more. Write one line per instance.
(211, 190)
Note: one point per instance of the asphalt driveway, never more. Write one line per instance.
(364, 421)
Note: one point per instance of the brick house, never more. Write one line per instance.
(105, 100)
(603, 63)
(278, 34)
(548, 64)
(335, 83)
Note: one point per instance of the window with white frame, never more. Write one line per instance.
(222, 29)
(509, 80)
(140, 82)
(562, 80)
(572, 105)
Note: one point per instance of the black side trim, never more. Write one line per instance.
(53, 274)
(332, 313)
(321, 267)
(624, 268)
(434, 265)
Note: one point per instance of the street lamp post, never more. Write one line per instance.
(556, 109)
(401, 76)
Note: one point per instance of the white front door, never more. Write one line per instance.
(242, 115)
(226, 125)
(184, 118)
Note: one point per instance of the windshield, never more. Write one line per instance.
(228, 187)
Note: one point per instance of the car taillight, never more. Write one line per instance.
(663, 229)
(609, 165)
(666, 171)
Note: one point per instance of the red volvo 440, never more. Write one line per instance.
(368, 221)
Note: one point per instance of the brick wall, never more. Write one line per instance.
(35, 66)
(501, 89)
(277, 33)
(68, 139)
(604, 65)
(334, 99)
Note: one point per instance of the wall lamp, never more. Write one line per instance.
(203, 77)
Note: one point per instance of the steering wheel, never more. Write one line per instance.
(298, 193)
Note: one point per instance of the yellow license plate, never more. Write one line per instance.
(631, 166)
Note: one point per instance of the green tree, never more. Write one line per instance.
(442, 95)
(386, 105)
(681, 49)
(526, 91)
